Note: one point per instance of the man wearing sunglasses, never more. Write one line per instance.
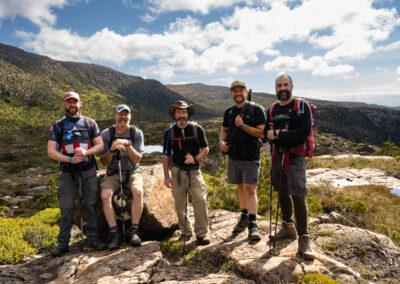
(73, 141)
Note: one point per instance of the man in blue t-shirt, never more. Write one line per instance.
(73, 141)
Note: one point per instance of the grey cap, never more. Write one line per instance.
(122, 107)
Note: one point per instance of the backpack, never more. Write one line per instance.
(132, 131)
(171, 137)
(60, 132)
(308, 147)
(248, 108)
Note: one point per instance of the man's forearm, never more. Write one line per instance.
(165, 161)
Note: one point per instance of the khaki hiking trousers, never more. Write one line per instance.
(198, 191)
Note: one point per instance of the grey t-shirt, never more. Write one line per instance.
(126, 163)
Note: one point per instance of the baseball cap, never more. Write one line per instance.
(238, 83)
(70, 94)
(122, 107)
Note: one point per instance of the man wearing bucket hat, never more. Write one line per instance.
(242, 128)
(73, 141)
(185, 146)
(125, 142)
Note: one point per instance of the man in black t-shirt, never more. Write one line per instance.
(242, 128)
(185, 146)
(289, 164)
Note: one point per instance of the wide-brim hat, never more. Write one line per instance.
(180, 104)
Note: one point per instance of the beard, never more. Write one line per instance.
(181, 121)
(239, 99)
(122, 123)
(284, 95)
(72, 110)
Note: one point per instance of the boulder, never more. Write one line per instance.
(158, 218)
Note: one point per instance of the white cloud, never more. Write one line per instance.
(38, 11)
(398, 73)
(340, 30)
(316, 65)
(148, 18)
(391, 46)
(203, 6)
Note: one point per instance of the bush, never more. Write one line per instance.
(22, 237)
(316, 278)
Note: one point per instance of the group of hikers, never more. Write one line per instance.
(286, 125)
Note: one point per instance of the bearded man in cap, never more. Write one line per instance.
(73, 141)
(242, 128)
(185, 146)
(126, 141)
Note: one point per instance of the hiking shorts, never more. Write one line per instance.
(243, 172)
(294, 180)
(112, 181)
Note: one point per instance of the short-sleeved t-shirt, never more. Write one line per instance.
(126, 163)
(253, 118)
(75, 134)
(184, 142)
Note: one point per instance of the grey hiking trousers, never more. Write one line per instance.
(68, 188)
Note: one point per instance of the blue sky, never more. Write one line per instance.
(334, 49)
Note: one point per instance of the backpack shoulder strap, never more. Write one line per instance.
(132, 131)
(170, 138)
(60, 132)
(112, 135)
(299, 106)
(89, 125)
(196, 132)
(271, 111)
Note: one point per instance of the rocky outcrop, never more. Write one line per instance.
(158, 218)
(344, 253)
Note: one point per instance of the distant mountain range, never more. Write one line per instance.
(31, 88)
(359, 122)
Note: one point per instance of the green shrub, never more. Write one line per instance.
(22, 237)
(50, 199)
(50, 216)
(316, 278)
(359, 207)
(314, 207)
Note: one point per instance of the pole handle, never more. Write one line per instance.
(271, 126)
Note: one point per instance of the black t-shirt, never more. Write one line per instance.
(184, 141)
(299, 126)
(253, 116)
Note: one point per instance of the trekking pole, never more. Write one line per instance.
(121, 193)
(81, 204)
(271, 127)
(186, 204)
(280, 187)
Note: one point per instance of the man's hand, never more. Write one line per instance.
(224, 147)
(120, 145)
(238, 120)
(80, 151)
(168, 182)
(189, 159)
(76, 159)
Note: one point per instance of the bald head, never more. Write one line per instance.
(286, 77)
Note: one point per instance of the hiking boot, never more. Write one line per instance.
(135, 240)
(242, 224)
(184, 238)
(59, 250)
(203, 241)
(254, 235)
(97, 245)
(114, 241)
(288, 231)
(305, 251)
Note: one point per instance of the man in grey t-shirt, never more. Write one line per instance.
(127, 141)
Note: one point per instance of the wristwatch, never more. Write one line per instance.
(241, 125)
